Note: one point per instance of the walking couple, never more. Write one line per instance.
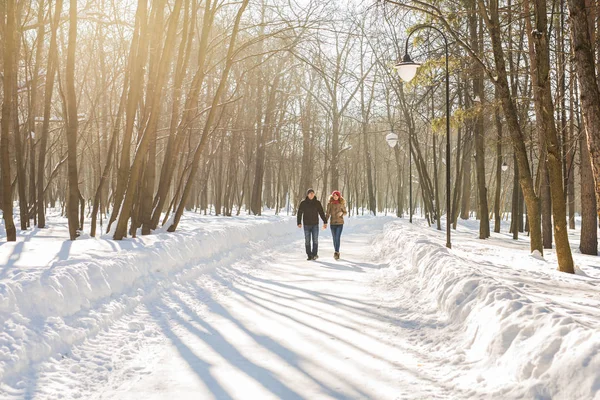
(308, 214)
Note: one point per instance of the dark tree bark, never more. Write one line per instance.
(542, 178)
(459, 164)
(153, 104)
(8, 85)
(365, 108)
(140, 43)
(34, 108)
(467, 162)
(586, 71)
(19, 149)
(438, 213)
(499, 162)
(514, 127)
(589, 219)
(51, 68)
(479, 132)
(109, 160)
(307, 166)
(546, 109)
(72, 126)
(264, 136)
(515, 215)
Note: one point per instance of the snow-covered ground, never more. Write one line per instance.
(228, 308)
(499, 323)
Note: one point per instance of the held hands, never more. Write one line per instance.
(299, 225)
(324, 226)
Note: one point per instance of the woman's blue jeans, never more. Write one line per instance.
(336, 232)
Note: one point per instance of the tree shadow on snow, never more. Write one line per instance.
(348, 266)
(285, 354)
(163, 314)
(219, 343)
(364, 311)
(17, 252)
(340, 267)
(273, 301)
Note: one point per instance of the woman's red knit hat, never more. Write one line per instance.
(337, 192)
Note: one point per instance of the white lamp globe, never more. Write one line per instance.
(407, 68)
(392, 139)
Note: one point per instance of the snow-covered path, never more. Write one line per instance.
(278, 327)
(268, 326)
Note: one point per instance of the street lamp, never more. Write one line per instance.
(392, 139)
(407, 69)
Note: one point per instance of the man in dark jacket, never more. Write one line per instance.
(308, 213)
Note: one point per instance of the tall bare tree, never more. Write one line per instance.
(10, 37)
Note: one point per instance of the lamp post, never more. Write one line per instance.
(407, 69)
(392, 140)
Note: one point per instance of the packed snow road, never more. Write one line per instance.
(266, 326)
(278, 326)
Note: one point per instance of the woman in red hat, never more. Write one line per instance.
(336, 209)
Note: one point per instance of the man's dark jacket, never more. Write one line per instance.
(310, 210)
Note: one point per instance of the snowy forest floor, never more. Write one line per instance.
(230, 309)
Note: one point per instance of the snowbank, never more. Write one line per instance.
(522, 334)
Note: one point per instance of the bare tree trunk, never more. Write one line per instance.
(8, 85)
(589, 219)
(140, 44)
(415, 151)
(365, 113)
(51, 68)
(515, 214)
(499, 161)
(510, 113)
(586, 72)
(72, 125)
(559, 209)
(335, 148)
(478, 90)
(109, 159)
(566, 133)
(542, 177)
(459, 164)
(21, 177)
(264, 136)
(153, 96)
(34, 109)
(307, 164)
(438, 212)
(467, 175)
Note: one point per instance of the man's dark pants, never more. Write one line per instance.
(311, 231)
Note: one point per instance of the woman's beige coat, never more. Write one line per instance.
(336, 211)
